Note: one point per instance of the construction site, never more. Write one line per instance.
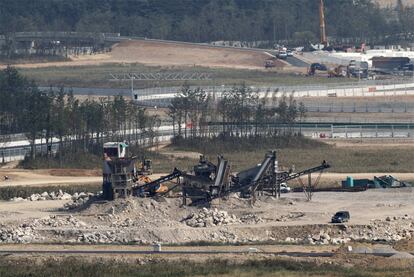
(292, 160)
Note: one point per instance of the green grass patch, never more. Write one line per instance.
(236, 144)
(80, 160)
(6, 193)
(67, 160)
(214, 267)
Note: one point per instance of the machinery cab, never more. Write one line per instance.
(144, 167)
(205, 169)
(115, 150)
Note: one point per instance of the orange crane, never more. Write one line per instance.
(324, 40)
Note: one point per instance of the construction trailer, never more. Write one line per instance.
(386, 181)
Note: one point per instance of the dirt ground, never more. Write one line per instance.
(22, 177)
(147, 220)
(168, 54)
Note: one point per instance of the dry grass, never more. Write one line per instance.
(181, 267)
(343, 159)
(98, 76)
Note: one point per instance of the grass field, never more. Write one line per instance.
(98, 76)
(215, 267)
(301, 153)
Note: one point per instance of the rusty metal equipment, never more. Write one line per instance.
(206, 182)
(118, 171)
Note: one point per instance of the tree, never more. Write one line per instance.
(302, 115)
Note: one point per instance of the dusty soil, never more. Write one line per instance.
(22, 177)
(168, 54)
(147, 221)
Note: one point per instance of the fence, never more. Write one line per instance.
(361, 89)
(23, 149)
(313, 130)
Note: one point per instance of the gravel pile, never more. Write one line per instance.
(60, 195)
(59, 221)
(251, 219)
(21, 234)
(389, 230)
(209, 218)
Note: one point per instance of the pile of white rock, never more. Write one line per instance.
(60, 195)
(251, 219)
(78, 200)
(209, 218)
(392, 229)
(59, 221)
(100, 237)
(21, 234)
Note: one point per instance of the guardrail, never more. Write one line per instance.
(361, 90)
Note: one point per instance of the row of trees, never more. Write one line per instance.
(78, 126)
(239, 112)
(207, 20)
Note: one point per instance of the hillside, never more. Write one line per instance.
(198, 20)
(156, 53)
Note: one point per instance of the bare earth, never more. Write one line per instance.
(21, 177)
(148, 221)
(167, 54)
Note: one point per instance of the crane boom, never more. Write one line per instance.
(324, 40)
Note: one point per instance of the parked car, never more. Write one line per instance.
(289, 53)
(269, 64)
(282, 55)
(341, 217)
(284, 188)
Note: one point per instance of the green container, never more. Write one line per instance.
(349, 182)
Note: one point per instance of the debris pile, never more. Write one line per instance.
(59, 221)
(21, 234)
(209, 218)
(290, 216)
(389, 230)
(60, 195)
(251, 219)
(101, 238)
